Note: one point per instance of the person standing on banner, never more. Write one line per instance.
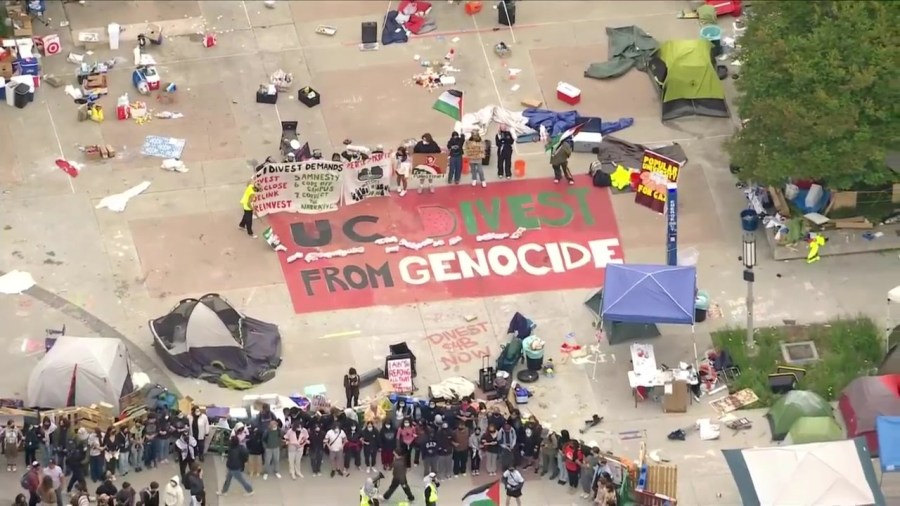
(426, 146)
(247, 206)
(474, 152)
(559, 159)
(351, 387)
(404, 167)
(505, 141)
(455, 150)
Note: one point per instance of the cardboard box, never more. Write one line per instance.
(6, 69)
(675, 397)
(532, 103)
(185, 403)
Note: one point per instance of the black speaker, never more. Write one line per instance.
(369, 32)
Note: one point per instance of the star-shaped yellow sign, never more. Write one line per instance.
(620, 178)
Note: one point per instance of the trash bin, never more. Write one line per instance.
(21, 96)
(749, 220)
(713, 34)
(10, 93)
(701, 306)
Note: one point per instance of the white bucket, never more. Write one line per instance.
(114, 32)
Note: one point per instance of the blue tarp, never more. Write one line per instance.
(393, 32)
(558, 122)
(649, 294)
(888, 429)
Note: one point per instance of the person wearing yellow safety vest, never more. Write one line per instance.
(368, 495)
(247, 206)
(815, 243)
(431, 486)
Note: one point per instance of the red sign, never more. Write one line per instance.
(570, 237)
(657, 172)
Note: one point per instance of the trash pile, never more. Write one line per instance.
(437, 73)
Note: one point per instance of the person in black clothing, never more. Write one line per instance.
(255, 449)
(504, 140)
(107, 488)
(429, 147)
(398, 477)
(352, 448)
(316, 449)
(351, 387)
(369, 438)
(194, 484)
(387, 442)
(455, 150)
(150, 495)
(235, 461)
(33, 437)
(75, 459)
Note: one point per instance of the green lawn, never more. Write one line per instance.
(847, 348)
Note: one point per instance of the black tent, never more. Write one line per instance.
(206, 338)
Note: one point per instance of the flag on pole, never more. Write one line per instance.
(450, 103)
(556, 140)
(485, 495)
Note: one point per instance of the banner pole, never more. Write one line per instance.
(512, 33)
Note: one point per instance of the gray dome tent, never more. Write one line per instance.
(206, 338)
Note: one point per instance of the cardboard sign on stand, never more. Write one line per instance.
(399, 373)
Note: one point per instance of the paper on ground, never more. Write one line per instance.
(118, 201)
(15, 282)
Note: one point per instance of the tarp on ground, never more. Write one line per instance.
(649, 294)
(393, 32)
(554, 122)
(888, 429)
(841, 472)
(629, 47)
(814, 429)
(793, 406)
(614, 151)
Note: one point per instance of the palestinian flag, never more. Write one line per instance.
(485, 495)
(450, 103)
(556, 140)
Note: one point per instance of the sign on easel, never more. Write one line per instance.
(399, 373)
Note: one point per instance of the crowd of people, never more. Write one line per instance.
(476, 154)
(446, 441)
(59, 459)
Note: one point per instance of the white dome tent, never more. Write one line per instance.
(80, 371)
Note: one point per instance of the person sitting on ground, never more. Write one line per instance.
(107, 488)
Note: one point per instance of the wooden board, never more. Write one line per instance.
(662, 479)
(780, 202)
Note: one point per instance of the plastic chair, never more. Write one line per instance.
(519, 166)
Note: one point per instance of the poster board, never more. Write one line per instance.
(309, 187)
(429, 166)
(399, 373)
(657, 172)
(369, 178)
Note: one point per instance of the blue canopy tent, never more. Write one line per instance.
(649, 294)
(888, 430)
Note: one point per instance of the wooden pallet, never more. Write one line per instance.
(662, 479)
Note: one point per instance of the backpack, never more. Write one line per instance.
(25, 482)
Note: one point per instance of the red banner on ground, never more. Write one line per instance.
(570, 237)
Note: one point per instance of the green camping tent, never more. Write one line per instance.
(815, 429)
(685, 74)
(791, 407)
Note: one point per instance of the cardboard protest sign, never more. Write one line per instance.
(657, 172)
(429, 166)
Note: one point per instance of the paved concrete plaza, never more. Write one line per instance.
(105, 273)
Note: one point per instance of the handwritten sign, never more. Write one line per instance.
(312, 186)
(399, 372)
(429, 166)
(657, 172)
(367, 178)
(459, 346)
